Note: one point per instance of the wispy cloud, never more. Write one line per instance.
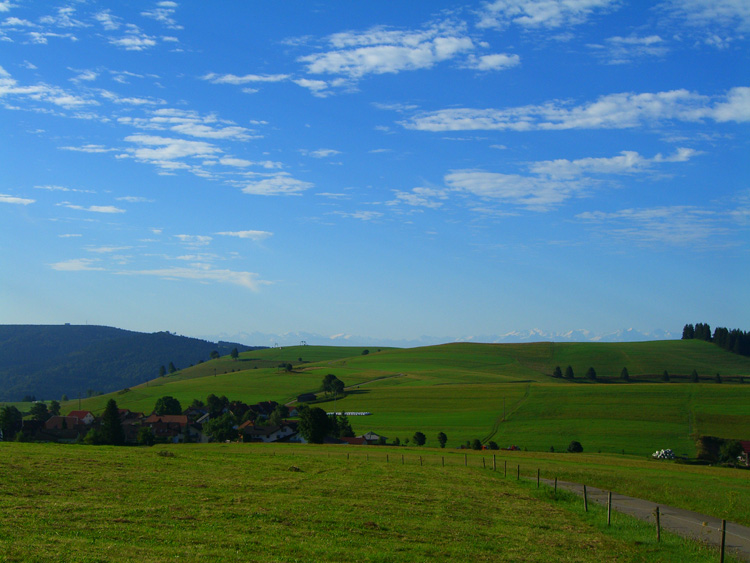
(497, 61)
(281, 184)
(624, 50)
(163, 12)
(77, 265)
(205, 274)
(252, 235)
(361, 215)
(715, 22)
(88, 148)
(672, 225)
(245, 79)
(380, 50)
(320, 153)
(92, 208)
(5, 198)
(613, 111)
(531, 14)
(194, 240)
(190, 123)
(421, 197)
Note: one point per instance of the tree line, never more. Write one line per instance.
(735, 340)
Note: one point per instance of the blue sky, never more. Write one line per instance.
(383, 171)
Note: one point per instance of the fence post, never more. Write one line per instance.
(518, 472)
(555, 486)
(494, 463)
(537, 478)
(420, 461)
(506, 469)
(609, 508)
(585, 500)
(484, 466)
(658, 525)
(347, 455)
(466, 460)
(387, 458)
(723, 539)
(402, 459)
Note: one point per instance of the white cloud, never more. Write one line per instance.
(245, 79)
(76, 265)
(195, 240)
(135, 199)
(9, 87)
(673, 225)
(88, 148)
(612, 111)
(317, 87)
(361, 215)
(541, 13)
(718, 22)
(252, 235)
(70, 235)
(189, 123)
(533, 193)
(623, 50)
(628, 162)
(5, 198)
(379, 50)
(134, 41)
(107, 249)
(320, 153)
(85, 76)
(5, 6)
(163, 13)
(281, 184)
(243, 163)
(204, 273)
(108, 21)
(92, 208)
(168, 149)
(17, 22)
(420, 197)
(498, 61)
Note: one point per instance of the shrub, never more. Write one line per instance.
(476, 444)
(575, 447)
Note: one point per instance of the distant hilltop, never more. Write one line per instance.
(49, 361)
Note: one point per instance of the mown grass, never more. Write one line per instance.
(242, 502)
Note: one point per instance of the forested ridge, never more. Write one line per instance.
(48, 361)
(734, 340)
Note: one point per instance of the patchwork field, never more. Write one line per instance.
(244, 502)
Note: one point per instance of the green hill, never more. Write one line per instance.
(500, 392)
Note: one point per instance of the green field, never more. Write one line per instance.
(500, 392)
(242, 502)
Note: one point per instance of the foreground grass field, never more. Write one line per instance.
(242, 502)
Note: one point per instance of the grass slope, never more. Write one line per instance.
(501, 392)
(241, 502)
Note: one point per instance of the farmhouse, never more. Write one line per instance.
(86, 417)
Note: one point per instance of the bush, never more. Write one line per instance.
(476, 444)
(575, 447)
(493, 446)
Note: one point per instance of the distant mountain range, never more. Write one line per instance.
(532, 335)
(47, 361)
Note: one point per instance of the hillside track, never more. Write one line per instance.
(685, 523)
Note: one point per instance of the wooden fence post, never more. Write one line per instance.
(658, 525)
(402, 459)
(585, 500)
(494, 463)
(537, 478)
(518, 472)
(484, 466)
(723, 539)
(387, 459)
(420, 461)
(443, 457)
(506, 469)
(555, 486)
(466, 460)
(609, 508)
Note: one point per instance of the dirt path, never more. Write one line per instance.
(683, 522)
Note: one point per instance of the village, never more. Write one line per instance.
(266, 421)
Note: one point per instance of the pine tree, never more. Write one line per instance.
(557, 372)
(569, 372)
(591, 374)
(624, 375)
(665, 376)
(111, 430)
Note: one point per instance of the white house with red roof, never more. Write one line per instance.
(84, 417)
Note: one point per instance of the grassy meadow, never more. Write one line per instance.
(229, 502)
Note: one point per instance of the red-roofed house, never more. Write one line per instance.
(62, 422)
(84, 417)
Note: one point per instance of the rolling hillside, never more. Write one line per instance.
(500, 392)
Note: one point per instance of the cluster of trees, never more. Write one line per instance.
(332, 385)
(315, 424)
(590, 373)
(734, 340)
(722, 450)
